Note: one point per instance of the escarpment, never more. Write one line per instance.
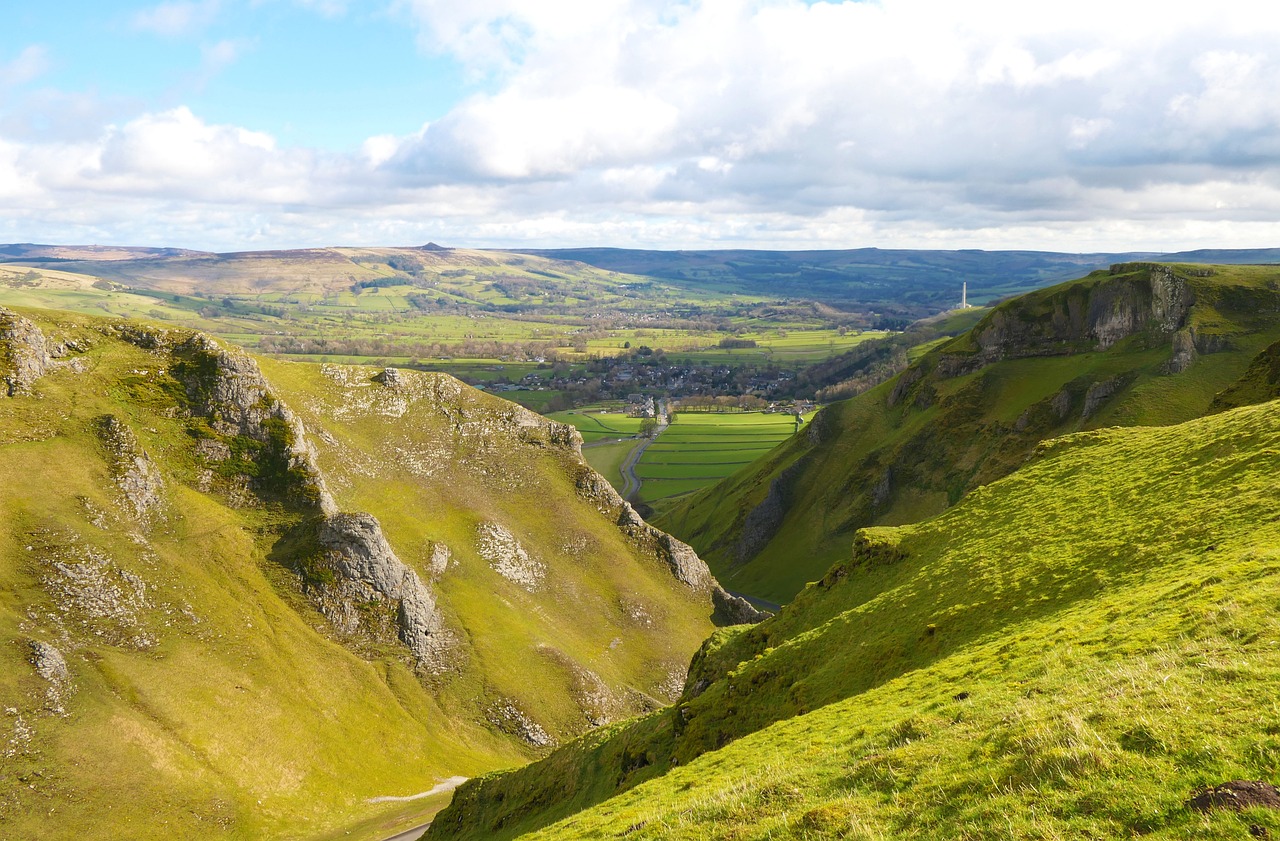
(355, 578)
(1132, 299)
(203, 548)
(1138, 344)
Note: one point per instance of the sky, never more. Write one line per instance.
(225, 125)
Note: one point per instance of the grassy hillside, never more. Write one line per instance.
(1141, 344)
(1072, 651)
(250, 602)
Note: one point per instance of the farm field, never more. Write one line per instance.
(486, 318)
(697, 450)
(597, 423)
(606, 458)
(700, 449)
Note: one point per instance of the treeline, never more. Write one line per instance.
(721, 404)
(466, 349)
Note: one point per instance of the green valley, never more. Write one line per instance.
(1027, 568)
(274, 599)
(1076, 650)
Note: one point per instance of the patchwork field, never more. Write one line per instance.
(701, 449)
(696, 450)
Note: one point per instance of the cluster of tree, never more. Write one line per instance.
(467, 348)
(721, 404)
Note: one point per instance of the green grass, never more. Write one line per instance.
(877, 459)
(222, 704)
(597, 425)
(700, 449)
(1072, 651)
(607, 458)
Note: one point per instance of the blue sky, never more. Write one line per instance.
(310, 78)
(225, 124)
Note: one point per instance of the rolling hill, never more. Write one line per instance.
(1084, 648)
(251, 599)
(1138, 344)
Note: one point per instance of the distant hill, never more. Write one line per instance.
(33, 252)
(243, 599)
(1234, 256)
(1141, 344)
(900, 281)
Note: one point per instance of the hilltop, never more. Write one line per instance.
(1138, 344)
(249, 598)
(1085, 648)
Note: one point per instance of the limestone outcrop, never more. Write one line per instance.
(1134, 298)
(679, 557)
(135, 474)
(369, 571)
(24, 353)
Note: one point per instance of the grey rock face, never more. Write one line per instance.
(52, 666)
(228, 388)
(24, 355)
(1098, 394)
(357, 549)
(1184, 352)
(135, 474)
(734, 610)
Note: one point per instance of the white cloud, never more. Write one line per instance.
(177, 17)
(738, 122)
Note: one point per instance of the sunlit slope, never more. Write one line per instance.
(1071, 651)
(1140, 344)
(244, 605)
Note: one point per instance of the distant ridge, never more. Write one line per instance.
(1235, 256)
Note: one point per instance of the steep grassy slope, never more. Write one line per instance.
(239, 605)
(1070, 652)
(1140, 344)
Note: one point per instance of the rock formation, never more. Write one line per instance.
(356, 548)
(24, 354)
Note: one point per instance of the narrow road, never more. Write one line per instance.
(411, 834)
(630, 482)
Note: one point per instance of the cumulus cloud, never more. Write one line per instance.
(754, 122)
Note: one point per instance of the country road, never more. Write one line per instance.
(411, 834)
(630, 482)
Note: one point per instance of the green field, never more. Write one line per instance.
(606, 459)
(597, 424)
(701, 449)
(403, 306)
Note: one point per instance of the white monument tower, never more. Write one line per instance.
(964, 296)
